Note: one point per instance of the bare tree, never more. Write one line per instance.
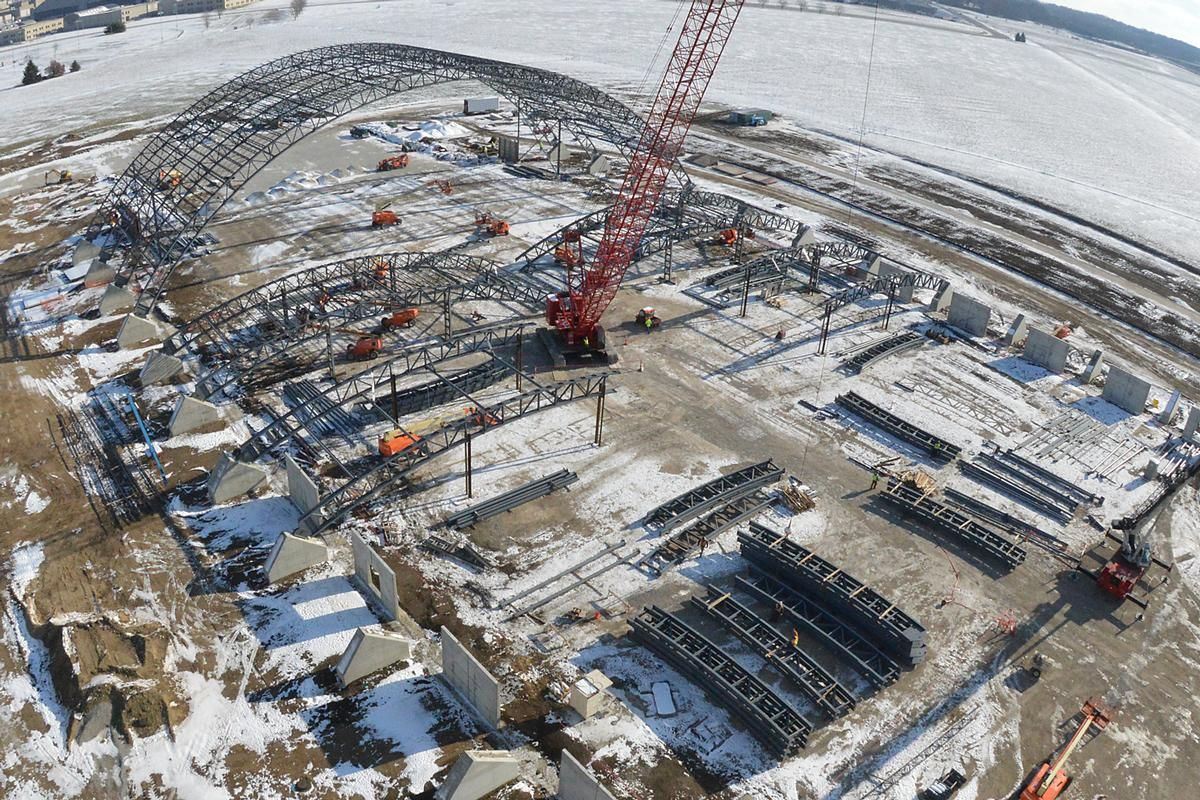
(207, 17)
(55, 70)
(298, 7)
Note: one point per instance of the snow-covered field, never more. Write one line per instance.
(1054, 118)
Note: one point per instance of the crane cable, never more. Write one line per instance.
(862, 126)
(641, 87)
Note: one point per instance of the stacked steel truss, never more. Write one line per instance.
(781, 727)
(934, 445)
(875, 665)
(876, 617)
(717, 492)
(964, 528)
(686, 543)
(511, 499)
(442, 389)
(815, 681)
(370, 384)
(221, 141)
(373, 477)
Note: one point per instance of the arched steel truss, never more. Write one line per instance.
(249, 338)
(227, 136)
(882, 284)
(370, 382)
(375, 477)
(681, 215)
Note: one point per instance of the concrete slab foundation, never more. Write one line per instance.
(470, 680)
(369, 652)
(576, 783)
(942, 298)
(292, 554)
(1017, 331)
(116, 299)
(303, 492)
(374, 577)
(231, 479)
(159, 368)
(478, 773)
(98, 274)
(1092, 370)
(1192, 425)
(1046, 350)
(970, 315)
(587, 693)
(1126, 390)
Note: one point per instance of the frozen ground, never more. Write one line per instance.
(1051, 119)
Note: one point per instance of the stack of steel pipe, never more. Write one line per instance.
(1052, 505)
(510, 500)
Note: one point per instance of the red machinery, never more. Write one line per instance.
(1121, 574)
(570, 252)
(590, 288)
(393, 162)
(1051, 779)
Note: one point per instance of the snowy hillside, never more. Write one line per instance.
(1089, 128)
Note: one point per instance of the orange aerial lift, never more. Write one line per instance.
(729, 237)
(405, 317)
(570, 252)
(368, 345)
(493, 226)
(383, 216)
(393, 162)
(1051, 779)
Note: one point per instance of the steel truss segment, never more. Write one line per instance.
(815, 681)
(874, 665)
(377, 476)
(883, 284)
(230, 134)
(909, 340)
(366, 383)
(279, 301)
(684, 544)
(936, 446)
(717, 492)
(878, 618)
(780, 726)
(963, 527)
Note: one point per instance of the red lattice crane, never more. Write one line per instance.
(591, 287)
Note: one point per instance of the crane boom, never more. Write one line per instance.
(591, 288)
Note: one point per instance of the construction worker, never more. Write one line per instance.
(649, 322)
(777, 614)
(795, 638)
(874, 479)
(779, 335)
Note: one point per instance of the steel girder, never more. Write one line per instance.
(230, 134)
(375, 476)
(365, 384)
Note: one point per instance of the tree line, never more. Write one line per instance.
(53, 70)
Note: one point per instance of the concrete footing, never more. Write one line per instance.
(1126, 391)
(304, 493)
(1092, 370)
(587, 693)
(1192, 425)
(84, 251)
(1017, 331)
(116, 299)
(369, 652)
(98, 274)
(159, 368)
(292, 554)
(942, 298)
(231, 479)
(970, 315)
(807, 235)
(138, 332)
(1168, 412)
(1046, 350)
(193, 415)
(576, 783)
(478, 773)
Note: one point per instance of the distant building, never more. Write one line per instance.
(199, 6)
(28, 30)
(64, 8)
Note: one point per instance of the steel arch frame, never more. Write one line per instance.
(356, 386)
(384, 474)
(231, 133)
